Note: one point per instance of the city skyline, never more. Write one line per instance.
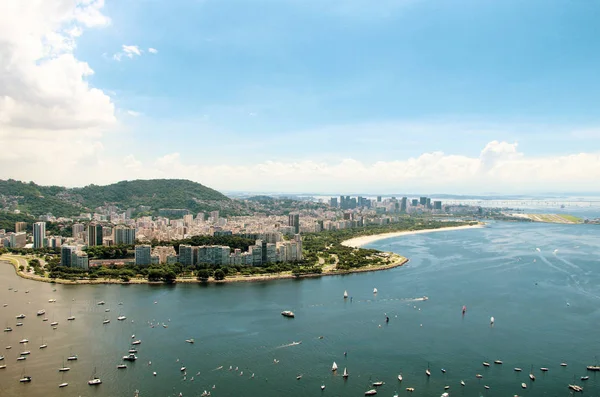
(331, 97)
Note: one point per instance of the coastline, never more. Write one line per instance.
(361, 241)
(355, 242)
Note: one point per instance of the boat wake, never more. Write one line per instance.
(289, 345)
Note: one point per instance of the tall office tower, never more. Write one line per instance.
(294, 221)
(20, 227)
(39, 234)
(186, 255)
(423, 200)
(94, 234)
(142, 255)
(124, 235)
(333, 202)
(403, 204)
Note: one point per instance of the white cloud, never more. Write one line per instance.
(152, 50)
(128, 51)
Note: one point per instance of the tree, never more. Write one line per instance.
(21, 267)
(202, 275)
(219, 274)
(169, 276)
(34, 262)
(155, 275)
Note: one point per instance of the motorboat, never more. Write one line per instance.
(371, 392)
(121, 318)
(298, 377)
(288, 313)
(20, 316)
(64, 384)
(21, 358)
(334, 367)
(524, 385)
(25, 379)
(563, 364)
(136, 342)
(498, 362)
(41, 312)
(26, 353)
(71, 318)
(399, 377)
(576, 388)
(532, 376)
(585, 377)
(72, 357)
(378, 383)
(24, 341)
(190, 341)
(410, 389)
(130, 357)
(486, 387)
(443, 370)
(486, 364)
(51, 300)
(121, 366)
(101, 303)
(106, 321)
(479, 376)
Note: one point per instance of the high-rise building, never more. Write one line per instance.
(437, 205)
(403, 204)
(414, 202)
(94, 234)
(342, 203)
(124, 235)
(294, 221)
(423, 201)
(66, 255)
(20, 227)
(143, 255)
(333, 202)
(78, 230)
(39, 234)
(186, 255)
(379, 199)
(428, 203)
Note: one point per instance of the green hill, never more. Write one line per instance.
(157, 193)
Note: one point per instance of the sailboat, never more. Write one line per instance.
(374, 290)
(427, 371)
(63, 368)
(94, 379)
(43, 345)
(531, 375)
(345, 294)
(106, 321)
(345, 375)
(334, 367)
(64, 384)
(71, 316)
(400, 377)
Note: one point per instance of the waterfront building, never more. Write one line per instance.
(39, 234)
(142, 255)
(186, 256)
(124, 235)
(66, 255)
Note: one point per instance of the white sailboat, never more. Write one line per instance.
(334, 367)
(94, 380)
(374, 290)
(345, 294)
(345, 375)
(43, 345)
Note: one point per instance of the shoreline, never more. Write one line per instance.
(355, 242)
(358, 242)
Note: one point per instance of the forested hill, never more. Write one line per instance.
(157, 193)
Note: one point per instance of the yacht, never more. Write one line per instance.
(136, 342)
(288, 313)
(20, 316)
(190, 341)
(101, 303)
(64, 384)
(371, 392)
(21, 358)
(72, 357)
(41, 312)
(54, 323)
(106, 321)
(94, 380)
(24, 341)
(121, 318)
(25, 379)
(130, 357)
(26, 353)
(121, 366)
(7, 329)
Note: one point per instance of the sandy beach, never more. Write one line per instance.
(364, 240)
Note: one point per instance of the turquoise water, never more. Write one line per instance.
(545, 304)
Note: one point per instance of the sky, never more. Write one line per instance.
(328, 96)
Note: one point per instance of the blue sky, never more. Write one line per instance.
(291, 83)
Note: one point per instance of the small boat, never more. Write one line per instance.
(205, 394)
(2, 366)
(585, 377)
(154, 373)
(1, 358)
(345, 375)
(182, 369)
(133, 336)
(101, 303)
(532, 376)
(322, 387)
(427, 371)
(486, 387)
(27, 291)
(24, 341)
(19, 324)
(593, 367)
(190, 341)
(498, 362)
(443, 370)
(486, 364)
(72, 357)
(54, 323)
(132, 351)
(45, 319)
(298, 377)
(563, 364)
(371, 392)
(374, 290)
(288, 313)
(64, 369)
(345, 294)
(576, 388)
(51, 300)
(523, 385)
(120, 303)
(8, 347)
(70, 318)
(517, 369)
(410, 389)
(121, 366)
(544, 369)
(492, 320)
(137, 342)
(41, 312)
(20, 316)
(94, 381)
(130, 357)
(64, 384)
(21, 358)
(43, 345)
(121, 318)
(479, 376)
(462, 383)
(25, 379)
(26, 353)
(7, 329)
(334, 367)
(106, 321)
(378, 383)
(464, 309)
(399, 377)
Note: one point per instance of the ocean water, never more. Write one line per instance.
(546, 304)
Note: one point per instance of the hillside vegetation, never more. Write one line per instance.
(158, 193)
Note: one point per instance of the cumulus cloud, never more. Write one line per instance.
(128, 51)
(152, 50)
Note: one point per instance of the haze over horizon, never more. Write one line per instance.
(425, 96)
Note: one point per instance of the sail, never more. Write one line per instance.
(345, 372)
(374, 290)
(334, 366)
(345, 294)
